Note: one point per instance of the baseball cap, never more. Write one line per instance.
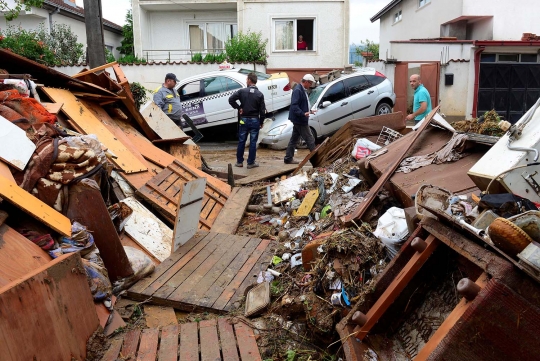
(171, 76)
(309, 77)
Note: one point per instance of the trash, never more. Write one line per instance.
(257, 299)
(363, 148)
(350, 185)
(285, 190)
(276, 260)
(392, 230)
(265, 276)
(286, 256)
(307, 204)
(326, 211)
(296, 260)
(142, 266)
(336, 299)
(98, 280)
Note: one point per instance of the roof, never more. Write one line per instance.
(384, 10)
(78, 11)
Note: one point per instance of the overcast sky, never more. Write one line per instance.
(360, 26)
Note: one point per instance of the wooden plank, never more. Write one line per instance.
(131, 344)
(246, 343)
(126, 240)
(15, 147)
(6, 172)
(232, 213)
(115, 322)
(448, 323)
(240, 276)
(309, 156)
(209, 340)
(94, 70)
(266, 174)
(187, 153)
(149, 344)
(398, 284)
(217, 287)
(189, 342)
(113, 351)
(307, 203)
(49, 313)
(97, 96)
(228, 341)
(90, 124)
(189, 291)
(161, 123)
(53, 108)
(14, 194)
(188, 210)
(372, 194)
(159, 316)
(169, 262)
(168, 346)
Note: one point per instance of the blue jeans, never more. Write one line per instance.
(251, 126)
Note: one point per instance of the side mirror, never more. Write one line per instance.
(325, 104)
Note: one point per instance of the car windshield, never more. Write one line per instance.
(260, 76)
(314, 95)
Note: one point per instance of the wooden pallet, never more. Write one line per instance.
(163, 192)
(209, 272)
(207, 340)
(230, 217)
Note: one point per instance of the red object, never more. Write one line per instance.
(476, 79)
(302, 194)
(380, 74)
(301, 45)
(287, 87)
(28, 108)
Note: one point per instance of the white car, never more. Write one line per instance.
(353, 96)
(205, 97)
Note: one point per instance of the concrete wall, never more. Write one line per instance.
(454, 97)
(416, 23)
(152, 75)
(430, 51)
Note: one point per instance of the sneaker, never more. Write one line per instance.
(239, 165)
(292, 161)
(254, 165)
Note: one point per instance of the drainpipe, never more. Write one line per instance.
(51, 13)
(476, 79)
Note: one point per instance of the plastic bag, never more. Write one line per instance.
(363, 148)
(98, 280)
(392, 230)
(142, 266)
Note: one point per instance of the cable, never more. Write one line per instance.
(509, 170)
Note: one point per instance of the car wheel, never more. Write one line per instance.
(302, 144)
(383, 108)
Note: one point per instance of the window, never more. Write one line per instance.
(286, 33)
(335, 93)
(423, 2)
(260, 76)
(529, 58)
(488, 58)
(397, 17)
(231, 30)
(219, 84)
(375, 79)
(190, 91)
(210, 36)
(509, 57)
(356, 84)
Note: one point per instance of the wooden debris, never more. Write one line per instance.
(309, 156)
(307, 203)
(159, 316)
(187, 215)
(231, 215)
(15, 147)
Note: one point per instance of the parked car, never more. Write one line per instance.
(358, 95)
(205, 97)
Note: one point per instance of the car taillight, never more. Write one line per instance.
(379, 74)
(287, 87)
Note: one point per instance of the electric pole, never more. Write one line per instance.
(95, 48)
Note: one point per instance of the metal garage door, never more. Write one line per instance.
(510, 89)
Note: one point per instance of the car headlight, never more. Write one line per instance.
(277, 130)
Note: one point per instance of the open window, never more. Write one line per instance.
(287, 33)
(210, 36)
(190, 91)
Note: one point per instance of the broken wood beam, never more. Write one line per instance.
(94, 70)
(309, 156)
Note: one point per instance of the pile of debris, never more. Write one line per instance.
(487, 124)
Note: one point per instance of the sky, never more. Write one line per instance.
(360, 12)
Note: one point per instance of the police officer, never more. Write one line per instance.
(168, 100)
(252, 113)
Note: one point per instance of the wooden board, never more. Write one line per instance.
(48, 314)
(209, 340)
(206, 273)
(148, 231)
(159, 316)
(266, 174)
(6, 172)
(53, 108)
(14, 194)
(160, 122)
(15, 147)
(231, 215)
(307, 204)
(187, 215)
(126, 240)
(90, 124)
(309, 156)
(162, 191)
(187, 153)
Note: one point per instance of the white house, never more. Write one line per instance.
(64, 12)
(472, 52)
(172, 31)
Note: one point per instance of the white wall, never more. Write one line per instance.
(454, 97)
(432, 15)
(152, 75)
(430, 51)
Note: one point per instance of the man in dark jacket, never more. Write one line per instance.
(299, 115)
(252, 113)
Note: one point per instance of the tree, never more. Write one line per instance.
(63, 42)
(246, 48)
(12, 12)
(368, 46)
(127, 47)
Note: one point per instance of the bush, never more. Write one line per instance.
(130, 59)
(63, 42)
(127, 47)
(109, 57)
(139, 94)
(197, 58)
(246, 48)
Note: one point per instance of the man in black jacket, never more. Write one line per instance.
(252, 113)
(299, 115)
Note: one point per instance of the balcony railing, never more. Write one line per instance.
(177, 54)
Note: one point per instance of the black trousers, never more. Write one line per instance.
(299, 131)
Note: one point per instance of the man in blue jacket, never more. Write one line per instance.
(299, 116)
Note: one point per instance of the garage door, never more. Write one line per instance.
(510, 89)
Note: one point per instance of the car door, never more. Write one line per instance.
(191, 99)
(216, 93)
(332, 117)
(363, 96)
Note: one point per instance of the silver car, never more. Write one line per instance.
(358, 95)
